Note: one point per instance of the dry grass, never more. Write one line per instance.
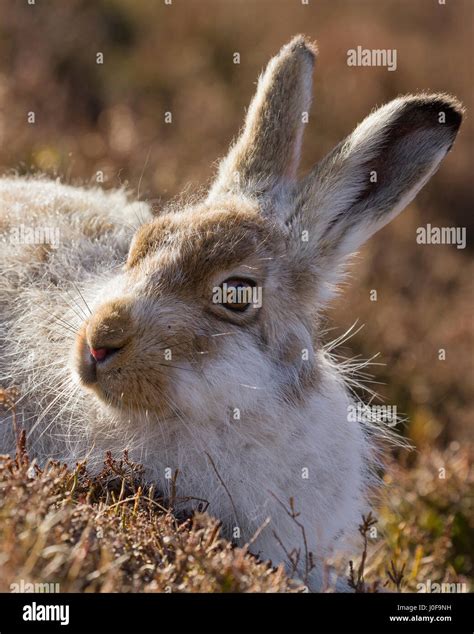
(112, 532)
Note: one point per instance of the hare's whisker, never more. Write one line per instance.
(83, 298)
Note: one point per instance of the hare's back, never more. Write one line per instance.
(48, 229)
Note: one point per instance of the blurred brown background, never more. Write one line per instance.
(178, 58)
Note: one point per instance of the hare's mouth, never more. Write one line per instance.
(94, 363)
(115, 380)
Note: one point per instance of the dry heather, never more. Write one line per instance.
(112, 532)
(425, 521)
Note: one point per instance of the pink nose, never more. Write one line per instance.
(99, 354)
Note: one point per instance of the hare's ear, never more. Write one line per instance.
(266, 154)
(369, 178)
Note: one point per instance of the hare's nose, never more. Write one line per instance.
(109, 330)
(100, 354)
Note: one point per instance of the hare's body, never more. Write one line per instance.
(239, 398)
(279, 449)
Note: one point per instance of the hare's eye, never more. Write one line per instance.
(235, 294)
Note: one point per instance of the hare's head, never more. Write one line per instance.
(216, 303)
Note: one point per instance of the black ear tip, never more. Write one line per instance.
(436, 109)
(453, 108)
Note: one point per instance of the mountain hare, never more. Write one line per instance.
(193, 339)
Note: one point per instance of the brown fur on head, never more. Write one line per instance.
(260, 226)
